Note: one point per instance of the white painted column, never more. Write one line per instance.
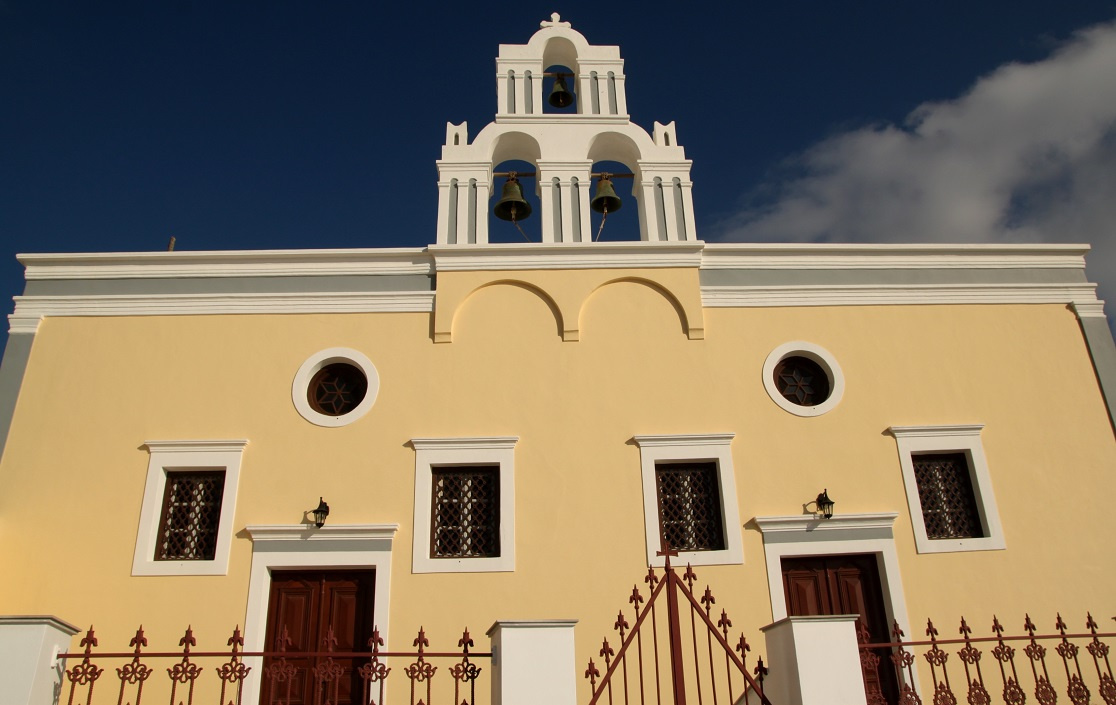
(30, 674)
(688, 210)
(670, 217)
(520, 92)
(463, 211)
(444, 189)
(621, 96)
(484, 208)
(584, 191)
(533, 662)
(502, 92)
(649, 211)
(567, 234)
(545, 181)
(814, 661)
(585, 94)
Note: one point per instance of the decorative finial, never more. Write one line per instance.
(555, 21)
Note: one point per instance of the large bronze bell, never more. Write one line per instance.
(512, 206)
(560, 96)
(606, 200)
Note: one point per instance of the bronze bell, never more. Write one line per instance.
(560, 96)
(512, 206)
(606, 200)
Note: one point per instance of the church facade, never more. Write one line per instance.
(513, 431)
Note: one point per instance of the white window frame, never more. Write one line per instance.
(170, 456)
(915, 440)
(708, 447)
(433, 453)
(305, 546)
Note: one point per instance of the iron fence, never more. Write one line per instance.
(1037, 674)
(327, 677)
(695, 659)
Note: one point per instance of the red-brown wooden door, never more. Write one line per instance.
(826, 585)
(308, 603)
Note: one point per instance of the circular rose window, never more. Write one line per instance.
(803, 379)
(335, 387)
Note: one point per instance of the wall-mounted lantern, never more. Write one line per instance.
(320, 513)
(824, 504)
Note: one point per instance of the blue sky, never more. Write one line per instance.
(297, 124)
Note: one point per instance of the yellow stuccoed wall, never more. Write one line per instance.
(96, 388)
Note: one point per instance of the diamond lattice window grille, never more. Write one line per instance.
(945, 490)
(466, 512)
(191, 515)
(690, 506)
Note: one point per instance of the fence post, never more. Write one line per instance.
(30, 673)
(533, 662)
(814, 661)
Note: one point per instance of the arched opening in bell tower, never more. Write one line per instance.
(501, 230)
(614, 224)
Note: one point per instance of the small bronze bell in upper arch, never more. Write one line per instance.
(606, 200)
(512, 206)
(560, 96)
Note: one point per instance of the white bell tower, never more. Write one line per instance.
(563, 147)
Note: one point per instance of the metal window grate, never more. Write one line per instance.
(191, 516)
(945, 490)
(466, 512)
(690, 506)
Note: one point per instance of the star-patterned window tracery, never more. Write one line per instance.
(802, 381)
(337, 389)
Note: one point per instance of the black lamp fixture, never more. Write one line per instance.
(321, 513)
(825, 504)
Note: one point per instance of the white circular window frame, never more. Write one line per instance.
(818, 354)
(316, 362)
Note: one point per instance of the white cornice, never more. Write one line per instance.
(694, 439)
(1089, 309)
(232, 263)
(560, 119)
(811, 522)
(873, 256)
(464, 443)
(936, 431)
(620, 255)
(892, 294)
(309, 532)
(31, 307)
(196, 446)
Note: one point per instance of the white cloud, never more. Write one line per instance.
(1028, 154)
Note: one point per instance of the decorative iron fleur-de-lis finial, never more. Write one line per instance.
(724, 624)
(689, 576)
(592, 674)
(652, 580)
(138, 640)
(465, 641)
(188, 640)
(707, 600)
(421, 641)
(236, 639)
(1029, 625)
(606, 653)
(635, 599)
(375, 641)
(621, 624)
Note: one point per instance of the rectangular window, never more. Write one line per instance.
(690, 506)
(945, 491)
(191, 515)
(465, 516)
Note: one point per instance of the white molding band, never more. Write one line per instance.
(613, 255)
(710, 447)
(958, 438)
(431, 453)
(810, 351)
(165, 456)
(301, 384)
(304, 546)
(896, 294)
(723, 255)
(225, 263)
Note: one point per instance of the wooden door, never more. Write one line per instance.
(827, 585)
(308, 603)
